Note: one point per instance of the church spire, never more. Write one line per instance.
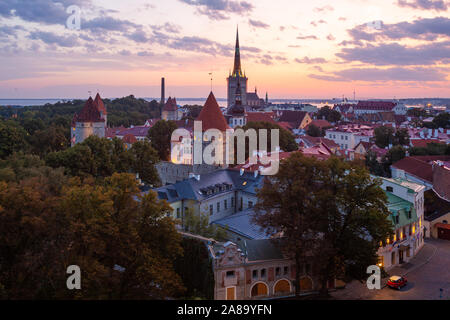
(237, 57)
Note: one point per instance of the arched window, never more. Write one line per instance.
(259, 289)
(282, 286)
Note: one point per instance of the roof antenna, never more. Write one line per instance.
(90, 93)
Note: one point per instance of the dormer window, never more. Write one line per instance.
(389, 189)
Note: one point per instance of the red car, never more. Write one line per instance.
(396, 282)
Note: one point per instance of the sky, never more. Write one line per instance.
(291, 49)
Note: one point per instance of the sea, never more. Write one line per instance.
(18, 103)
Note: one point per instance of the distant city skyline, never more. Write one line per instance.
(293, 50)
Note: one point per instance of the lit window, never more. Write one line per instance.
(380, 261)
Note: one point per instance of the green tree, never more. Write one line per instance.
(199, 224)
(417, 112)
(374, 166)
(401, 137)
(326, 113)
(395, 154)
(144, 158)
(51, 139)
(314, 131)
(442, 120)
(287, 139)
(195, 269)
(193, 111)
(329, 212)
(160, 135)
(122, 240)
(12, 138)
(384, 136)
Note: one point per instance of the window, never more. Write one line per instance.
(225, 205)
(230, 274)
(232, 201)
(396, 220)
(250, 204)
(218, 206)
(285, 270)
(255, 274)
(178, 213)
(211, 210)
(380, 261)
(277, 271)
(263, 273)
(389, 189)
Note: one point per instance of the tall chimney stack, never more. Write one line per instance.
(163, 91)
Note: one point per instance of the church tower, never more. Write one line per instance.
(237, 76)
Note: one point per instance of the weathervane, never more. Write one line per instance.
(211, 75)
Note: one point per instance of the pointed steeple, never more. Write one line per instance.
(211, 115)
(237, 71)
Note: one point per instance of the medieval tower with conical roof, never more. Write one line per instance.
(235, 77)
(92, 120)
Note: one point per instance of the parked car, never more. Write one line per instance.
(397, 282)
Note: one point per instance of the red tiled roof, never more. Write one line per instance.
(366, 145)
(99, 104)
(152, 122)
(112, 132)
(74, 120)
(319, 124)
(422, 143)
(211, 116)
(294, 118)
(330, 144)
(140, 131)
(129, 138)
(419, 166)
(375, 105)
(260, 117)
(319, 151)
(285, 125)
(89, 113)
(171, 105)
